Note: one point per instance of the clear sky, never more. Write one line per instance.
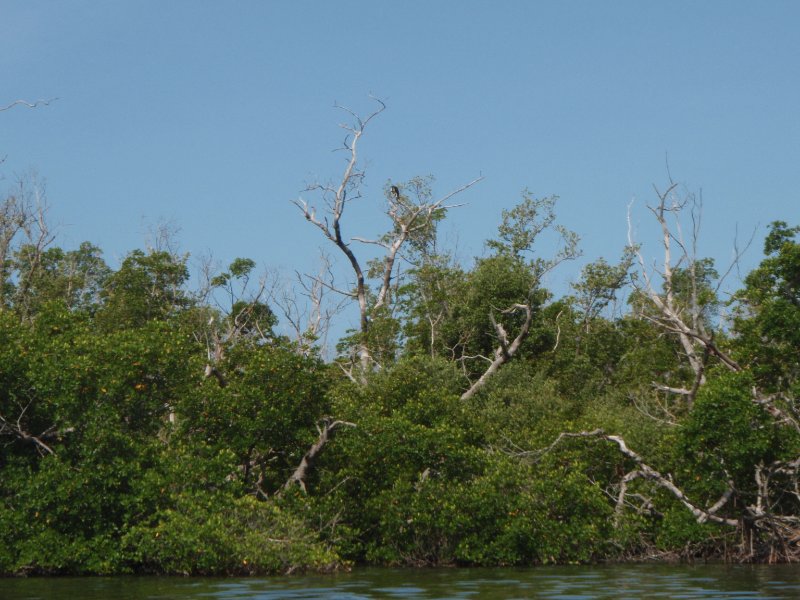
(215, 115)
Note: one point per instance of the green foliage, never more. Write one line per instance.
(496, 284)
(428, 301)
(646, 356)
(265, 415)
(533, 514)
(523, 225)
(73, 278)
(147, 286)
(725, 435)
(68, 518)
(219, 534)
(246, 314)
(416, 485)
(119, 453)
(238, 269)
(520, 408)
(512, 514)
(407, 428)
(693, 286)
(678, 530)
(599, 285)
(415, 193)
(768, 312)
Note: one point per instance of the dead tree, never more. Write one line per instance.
(23, 224)
(307, 308)
(408, 218)
(15, 217)
(684, 317)
(20, 214)
(775, 482)
(642, 470)
(506, 349)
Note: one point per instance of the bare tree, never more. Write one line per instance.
(684, 316)
(23, 224)
(15, 217)
(775, 483)
(408, 219)
(642, 470)
(506, 348)
(307, 307)
(23, 212)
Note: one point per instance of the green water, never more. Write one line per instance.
(618, 582)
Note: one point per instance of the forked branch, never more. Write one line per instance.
(326, 431)
(644, 471)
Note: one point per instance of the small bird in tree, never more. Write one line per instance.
(395, 191)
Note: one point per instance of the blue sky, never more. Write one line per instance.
(215, 115)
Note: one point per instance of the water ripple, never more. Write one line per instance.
(706, 582)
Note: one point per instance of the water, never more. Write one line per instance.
(556, 583)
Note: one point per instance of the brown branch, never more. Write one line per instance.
(211, 370)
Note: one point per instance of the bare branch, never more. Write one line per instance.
(768, 404)
(644, 471)
(327, 430)
(505, 351)
(27, 104)
(16, 429)
(307, 308)
(672, 390)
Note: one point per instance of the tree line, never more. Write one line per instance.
(472, 417)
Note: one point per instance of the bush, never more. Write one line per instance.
(222, 535)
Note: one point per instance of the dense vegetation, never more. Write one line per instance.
(473, 418)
